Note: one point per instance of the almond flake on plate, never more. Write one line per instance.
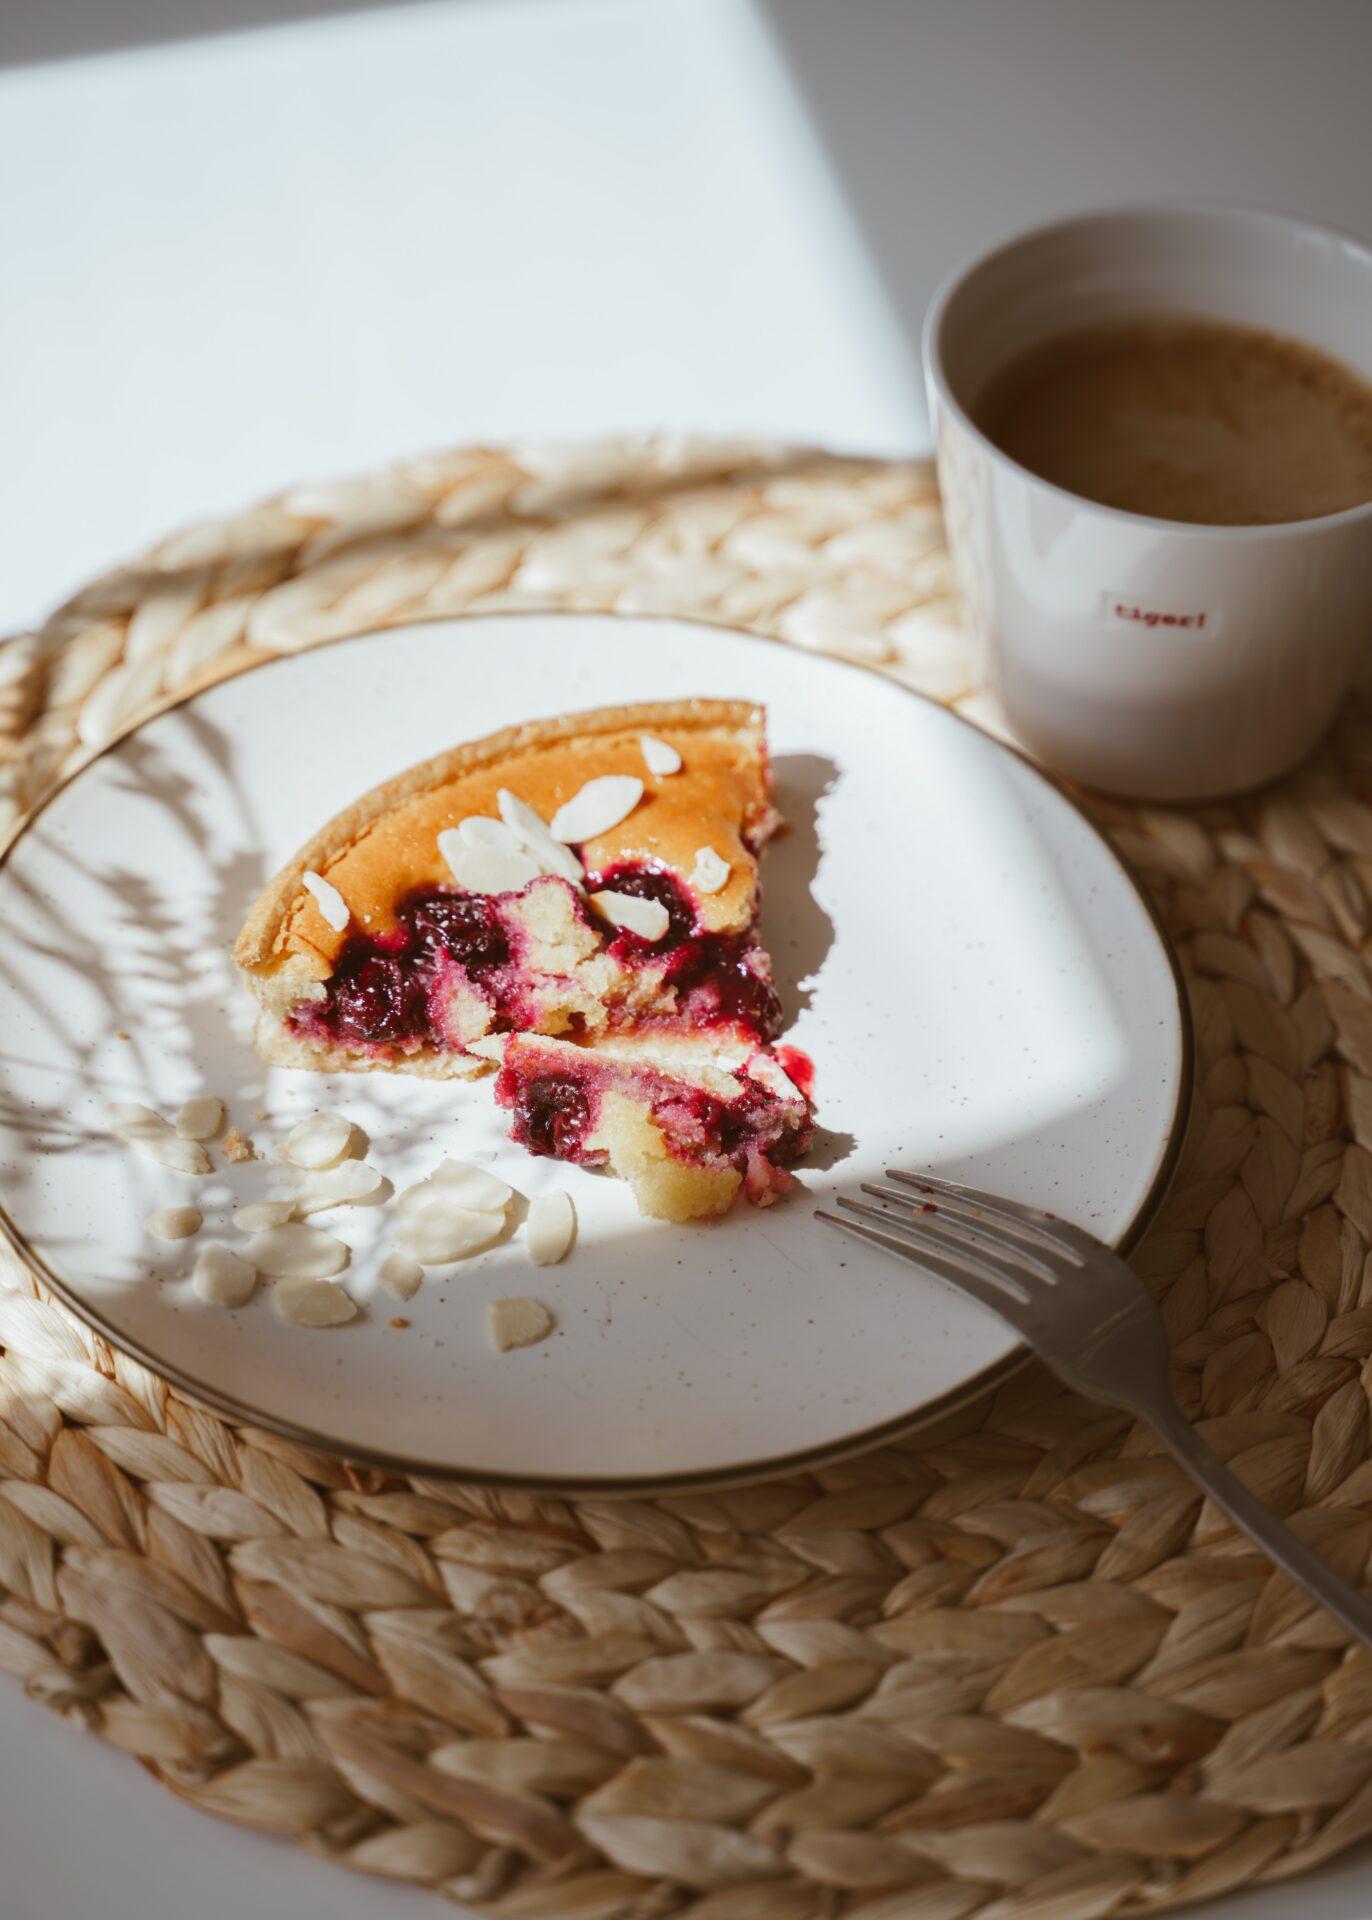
(329, 900)
(182, 1156)
(534, 834)
(601, 804)
(517, 1323)
(659, 756)
(550, 1227)
(352, 1183)
(440, 1231)
(259, 1215)
(134, 1123)
(152, 1136)
(710, 872)
(222, 1277)
(313, 1303)
(295, 1252)
(201, 1118)
(486, 869)
(175, 1223)
(469, 1185)
(317, 1142)
(649, 919)
(401, 1275)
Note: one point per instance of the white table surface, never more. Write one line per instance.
(255, 254)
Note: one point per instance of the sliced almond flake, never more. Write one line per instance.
(222, 1277)
(352, 1183)
(456, 1183)
(295, 1252)
(601, 804)
(533, 833)
(134, 1122)
(175, 1223)
(329, 900)
(201, 1118)
(479, 830)
(440, 1232)
(649, 919)
(659, 756)
(483, 869)
(550, 1227)
(182, 1156)
(320, 1141)
(472, 1186)
(313, 1303)
(259, 1215)
(401, 1275)
(710, 872)
(491, 1046)
(517, 1323)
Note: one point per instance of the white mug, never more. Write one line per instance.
(1151, 657)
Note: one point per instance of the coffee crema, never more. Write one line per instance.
(1181, 418)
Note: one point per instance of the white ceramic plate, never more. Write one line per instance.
(982, 988)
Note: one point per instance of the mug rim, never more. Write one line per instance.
(1177, 210)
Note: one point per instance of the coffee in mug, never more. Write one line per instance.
(1154, 435)
(1185, 418)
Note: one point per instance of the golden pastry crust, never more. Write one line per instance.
(386, 844)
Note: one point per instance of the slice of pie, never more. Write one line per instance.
(577, 898)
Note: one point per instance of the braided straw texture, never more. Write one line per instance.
(1016, 1669)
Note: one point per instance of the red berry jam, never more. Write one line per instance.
(551, 1115)
(720, 978)
(383, 988)
(798, 1067)
(373, 997)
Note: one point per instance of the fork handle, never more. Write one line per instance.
(1351, 1608)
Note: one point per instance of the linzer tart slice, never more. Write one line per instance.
(538, 880)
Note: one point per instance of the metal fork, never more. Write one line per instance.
(1080, 1308)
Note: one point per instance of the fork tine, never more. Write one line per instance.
(970, 1229)
(1055, 1230)
(978, 1260)
(995, 1298)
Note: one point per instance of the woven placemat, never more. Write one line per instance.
(1015, 1669)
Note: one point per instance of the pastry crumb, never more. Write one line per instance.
(236, 1147)
(120, 1034)
(397, 1320)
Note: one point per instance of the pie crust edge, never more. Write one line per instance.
(257, 944)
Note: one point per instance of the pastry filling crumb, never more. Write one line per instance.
(557, 1099)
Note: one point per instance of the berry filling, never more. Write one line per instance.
(552, 1115)
(555, 1109)
(395, 991)
(721, 979)
(387, 990)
